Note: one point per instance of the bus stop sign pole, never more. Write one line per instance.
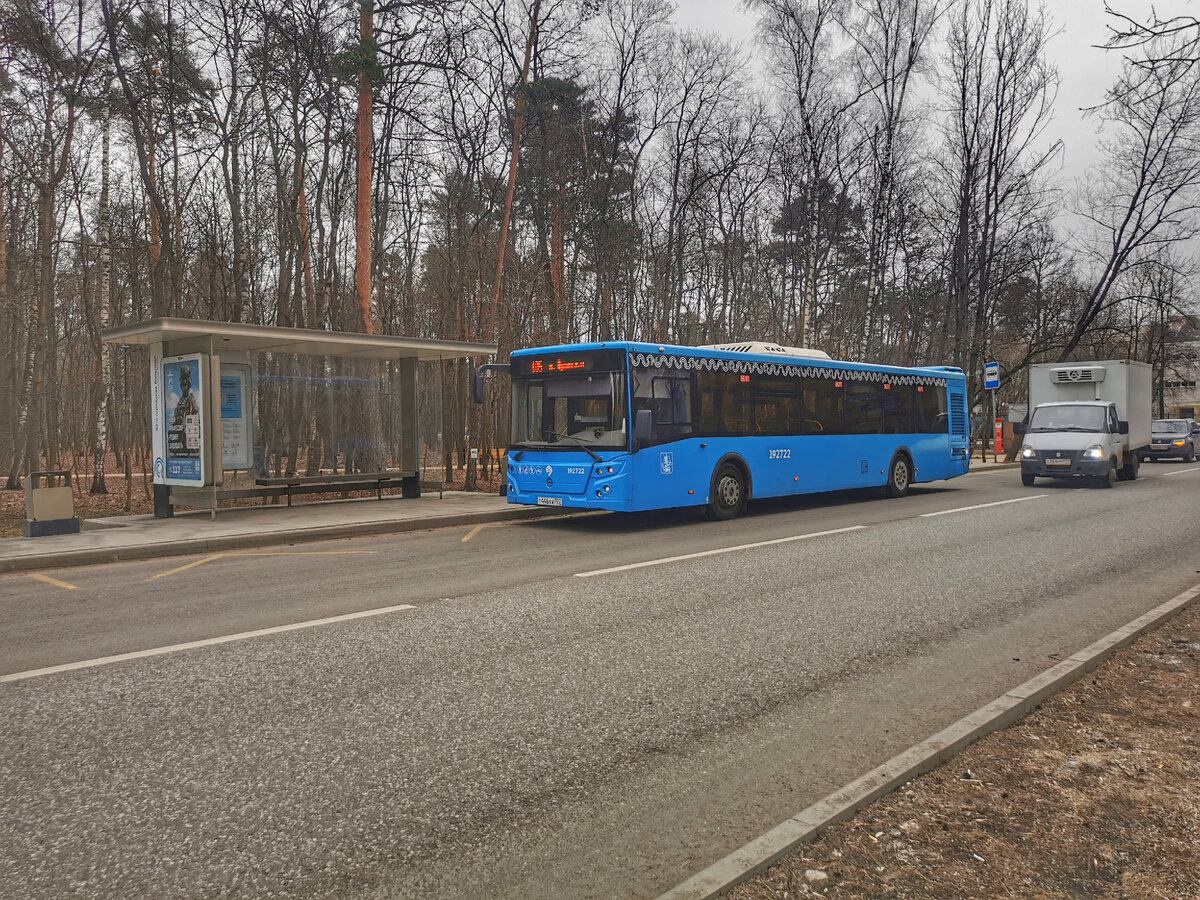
(991, 382)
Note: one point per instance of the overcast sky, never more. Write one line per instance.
(1085, 70)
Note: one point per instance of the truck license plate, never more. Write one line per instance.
(1058, 462)
(549, 501)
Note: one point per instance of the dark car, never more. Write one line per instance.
(1172, 438)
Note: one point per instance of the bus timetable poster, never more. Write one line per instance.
(237, 432)
(183, 395)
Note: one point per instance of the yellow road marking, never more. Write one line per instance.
(200, 562)
(54, 581)
(470, 534)
(298, 552)
(191, 565)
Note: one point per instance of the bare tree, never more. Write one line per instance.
(890, 37)
(1001, 91)
(1143, 194)
(816, 104)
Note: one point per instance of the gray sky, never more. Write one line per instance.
(1085, 70)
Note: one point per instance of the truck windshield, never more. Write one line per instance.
(565, 412)
(1068, 418)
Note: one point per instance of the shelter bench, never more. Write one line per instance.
(351, 481)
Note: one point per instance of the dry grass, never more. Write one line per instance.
(1096, 794)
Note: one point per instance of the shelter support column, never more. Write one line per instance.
(410, 432)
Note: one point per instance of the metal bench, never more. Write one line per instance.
(349, 481)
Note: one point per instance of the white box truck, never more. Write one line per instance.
(1086, 420)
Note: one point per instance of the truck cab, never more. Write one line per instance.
(1076, 439)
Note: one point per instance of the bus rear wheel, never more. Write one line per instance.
(728, 493)
(899, 476)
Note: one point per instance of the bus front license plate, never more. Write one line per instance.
(549, 501)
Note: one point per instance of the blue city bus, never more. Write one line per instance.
(631, 427)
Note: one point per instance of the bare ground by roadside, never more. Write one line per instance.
(1096, 794)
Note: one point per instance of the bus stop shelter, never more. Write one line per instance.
(201, 402)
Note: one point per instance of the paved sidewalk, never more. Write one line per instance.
(197, 531)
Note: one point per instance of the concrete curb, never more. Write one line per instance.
(93, 556)
(930, 753)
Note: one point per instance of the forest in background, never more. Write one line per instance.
(878, 179)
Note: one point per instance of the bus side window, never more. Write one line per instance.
(668, 398)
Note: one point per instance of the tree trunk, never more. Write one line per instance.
(363, 136)
(105, 314)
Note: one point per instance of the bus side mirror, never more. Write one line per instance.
(641, 428)
(477, 383)
(1122, 428)
(1018, 428)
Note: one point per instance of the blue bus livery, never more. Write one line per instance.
(719, 425)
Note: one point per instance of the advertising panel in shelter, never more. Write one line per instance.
(183, 379)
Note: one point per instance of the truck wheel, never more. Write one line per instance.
(1110, 479)
(1027, 479)
(1130, 472)
(728, 493)
(899, 477)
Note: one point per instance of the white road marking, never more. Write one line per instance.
(946, 512)
(671, 559)
(1182, 472)
(193, 645)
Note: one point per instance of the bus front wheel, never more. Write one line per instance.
(899, 476)
(728, 493)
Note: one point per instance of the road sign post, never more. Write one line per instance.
(991, 382)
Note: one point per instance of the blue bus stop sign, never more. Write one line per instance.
(991, 376)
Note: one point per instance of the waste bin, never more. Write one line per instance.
(49, 504)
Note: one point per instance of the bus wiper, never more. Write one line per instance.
(570, 437)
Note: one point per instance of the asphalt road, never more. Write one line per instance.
(530, 718)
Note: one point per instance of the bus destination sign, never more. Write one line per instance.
(542, 366)
(569, 363)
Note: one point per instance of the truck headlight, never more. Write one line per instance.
(1028, 453)
(1094, 452)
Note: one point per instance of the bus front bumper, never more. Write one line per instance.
(571, 501)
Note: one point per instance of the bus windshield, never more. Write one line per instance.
(566, 412)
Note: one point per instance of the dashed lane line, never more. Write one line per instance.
(798, 537)
(946, 512)
(670, 559)
(193, 645)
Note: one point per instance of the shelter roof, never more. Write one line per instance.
(306, 341)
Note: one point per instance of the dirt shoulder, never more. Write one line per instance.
(1094, 794)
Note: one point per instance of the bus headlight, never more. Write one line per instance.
(1028, 453)
(1094, 452)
